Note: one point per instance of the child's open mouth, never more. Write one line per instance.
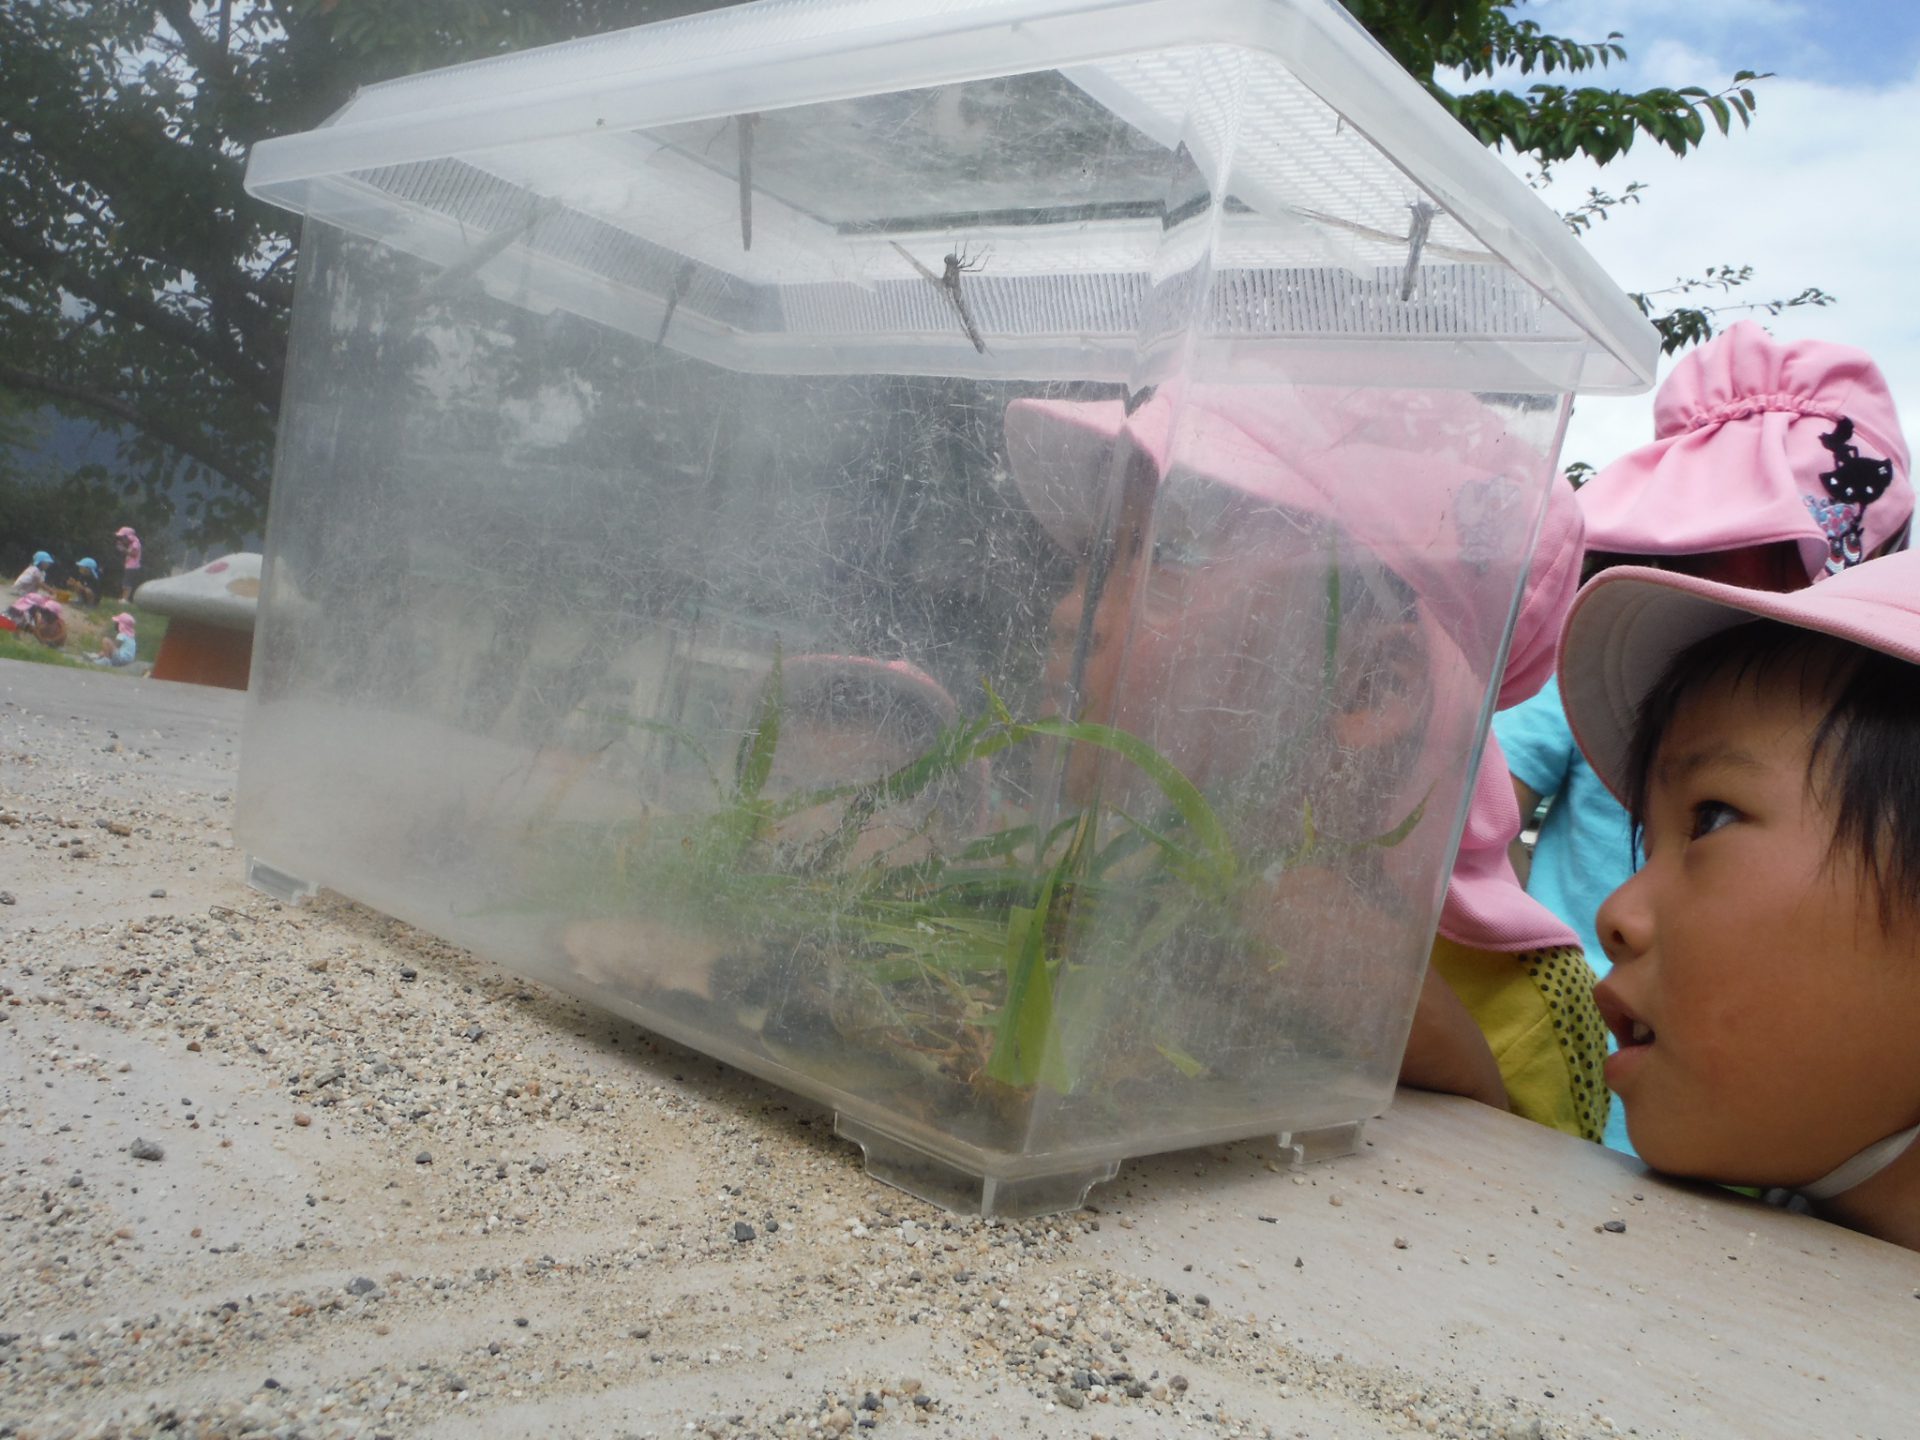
(1633, 1036)
(1628, 1028)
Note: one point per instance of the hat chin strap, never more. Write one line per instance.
(1862, 1167)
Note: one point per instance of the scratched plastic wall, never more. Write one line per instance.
(1039, 767)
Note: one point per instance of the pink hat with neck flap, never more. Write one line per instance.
(1412, 476)
(1759, 441)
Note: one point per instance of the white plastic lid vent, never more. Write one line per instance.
(1001, 188)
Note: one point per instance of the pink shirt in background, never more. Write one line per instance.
(131, 560)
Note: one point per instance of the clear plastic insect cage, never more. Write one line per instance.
(951, 557)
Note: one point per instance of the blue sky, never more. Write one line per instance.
(1868, 42)
(1822, 190)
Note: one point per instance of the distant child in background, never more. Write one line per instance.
(39, 615)
(34, 577)
(119, 648)
(1775, 465)
(86, 582)
(128, 544)
(1765, 989)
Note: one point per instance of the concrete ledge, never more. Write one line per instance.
(612, 1235)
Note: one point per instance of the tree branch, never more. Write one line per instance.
(252, 378)
(193, 446)
(209, 59)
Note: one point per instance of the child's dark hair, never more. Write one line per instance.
(1865, 754)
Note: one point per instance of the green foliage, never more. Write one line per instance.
(1686, 325)
(964, 950)
(1479, 40)
(22, 647)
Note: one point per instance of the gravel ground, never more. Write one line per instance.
(306, 1172)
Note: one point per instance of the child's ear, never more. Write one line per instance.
(1382, 696)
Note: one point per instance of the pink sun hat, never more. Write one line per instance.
(1420, 479)
(1630, 622)
(123, 622)
(1757, 441)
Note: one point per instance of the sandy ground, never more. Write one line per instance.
(388, 1190)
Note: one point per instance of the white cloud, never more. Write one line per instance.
(1823, 190)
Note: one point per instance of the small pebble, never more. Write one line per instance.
(742, 1231)
(157, 894)
(302, 1119)
(1615, 1227)
(146, 1150)
(425, 1157)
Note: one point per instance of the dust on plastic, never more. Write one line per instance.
(827, 653)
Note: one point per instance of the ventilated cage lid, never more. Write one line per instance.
(1001, 188)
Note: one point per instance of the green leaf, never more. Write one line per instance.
(1201, 821)
(1330, 643)
(755, 761)
(1181, 1061)
(1027, 1049)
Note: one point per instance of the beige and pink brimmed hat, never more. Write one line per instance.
(1629, 623)
(1423, 481)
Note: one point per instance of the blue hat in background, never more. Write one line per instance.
(90, 564)
(41, 557)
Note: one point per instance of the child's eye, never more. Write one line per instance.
(1709, 816)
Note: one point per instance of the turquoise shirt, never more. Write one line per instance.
(1585, 850)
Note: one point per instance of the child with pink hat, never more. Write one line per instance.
(1264, 505)
(128, 544)
(41, 616)
(1765, 988)
(1774, 465)
(121, 647)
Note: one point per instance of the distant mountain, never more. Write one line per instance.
(56, 444)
